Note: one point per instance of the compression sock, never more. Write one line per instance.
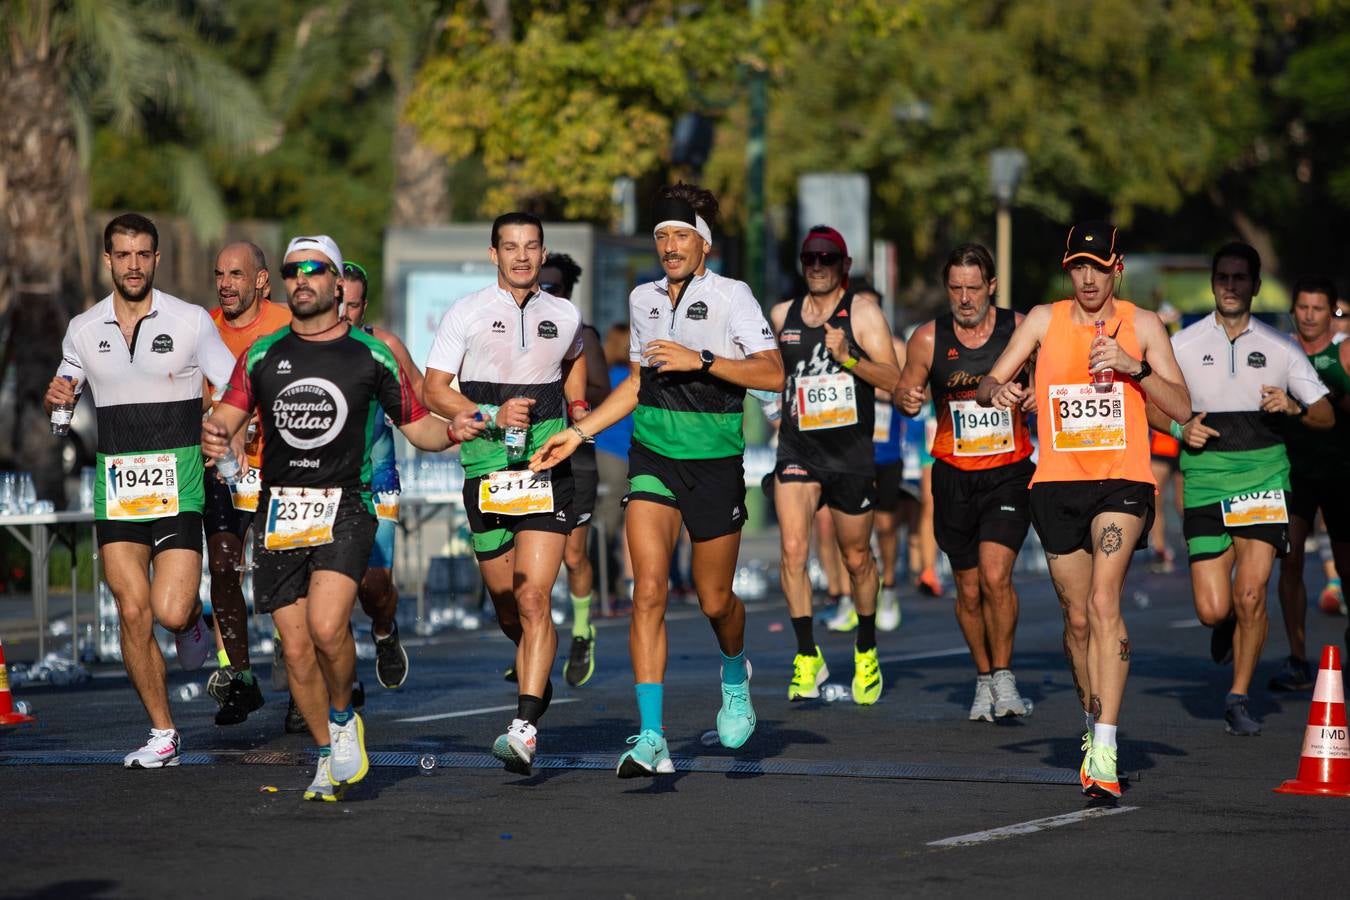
(581, 616)
(806, 638)
(341, 717)
(530, 708)
(733, 668)
(1104, 735)
(867, 631)
(649, 698)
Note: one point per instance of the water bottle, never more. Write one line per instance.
(516, 440)
(833, 693)
(229, 468)
(62, 413)
(190, 691)
(87, 475)
(426, 764)
(27, 493)
(1102, 380)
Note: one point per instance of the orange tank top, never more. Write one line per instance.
(1087, 433)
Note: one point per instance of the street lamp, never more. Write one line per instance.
(1006, 165)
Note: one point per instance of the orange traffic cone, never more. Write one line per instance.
(1324, 768)
(7, 714)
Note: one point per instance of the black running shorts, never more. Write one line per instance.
(1330, 495)
(493, 535)
(846, 492)
(1062, 511)
(282, 576)
(221, 517)
(180, 532)
(891, 485)
(585, 480)
(709, 493)
(974, 506)
(1207, 537)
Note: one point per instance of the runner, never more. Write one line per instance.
(1097, 360)
(241, 318)
(517, 353)
(888, 434)
(1316, 473)
(1245, 378)
(698, 342)
(981, 502)
(145, 353)
(319, 387)
(1165, 459)
(837, 351)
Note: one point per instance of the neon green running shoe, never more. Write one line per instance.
(866, 677)
(845, 616)
(808, 674)
(1087, 751)
(649, 756)
(1103, 782)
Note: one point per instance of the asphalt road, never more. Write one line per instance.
(904, 797)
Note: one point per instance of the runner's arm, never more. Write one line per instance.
(1307, 396)
(597, 371)
(914, 376)
(872, 334)
(66, 385)
(574, 380)
(620, 402)
(230, 414)
(1165, 387)
(1026, 337)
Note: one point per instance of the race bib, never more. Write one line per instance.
(141, 486)
(244, 492)
(1255, 508)
(516, 492)
(826, 401)
(386, 506)
(979, 430)
(881, 425)
(1083, 418)
(300, 517)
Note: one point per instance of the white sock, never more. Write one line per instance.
(1104, 735)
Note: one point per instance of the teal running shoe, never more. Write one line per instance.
(649, 756)
(736, 719)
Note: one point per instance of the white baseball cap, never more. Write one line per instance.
(321, 242)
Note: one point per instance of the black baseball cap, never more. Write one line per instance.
(1094, 240)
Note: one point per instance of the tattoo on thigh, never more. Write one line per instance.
(1062, 593)
(1124, 649)
(1111, 539)
(1095, 706)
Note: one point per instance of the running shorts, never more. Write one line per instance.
(221, 517)
(709, 493)
(1207, 536)
(971, 507)
(1062, 511)
(847, 492)
(495, 534)
(180, 532)
(891, 486)
(1330, 495)
(585, 480)
(282, 576)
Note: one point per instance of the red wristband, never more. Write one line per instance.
(450, 433)
(572, 409)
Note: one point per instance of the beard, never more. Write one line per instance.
(311, 304)
(140, 293)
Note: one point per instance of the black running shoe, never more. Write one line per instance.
(510, 675)
(1237, 719)
(358, 696)
(1221, 641)
(241, 698)
(295, 720)
(391, 660)
(581, 660)
(218, 685)
(1294, 675)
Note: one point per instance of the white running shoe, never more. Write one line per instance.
(516, 748)
(982, 708)
(888, 610)
(322, 789)
(160, 751)
(845, 616)
(194, 645)
(1007, 702)
(349, 763)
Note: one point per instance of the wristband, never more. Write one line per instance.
(572, 410)
(850, 362)
(1175, 429)
(585, 438)
(450, 433)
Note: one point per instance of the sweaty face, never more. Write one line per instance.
(131, 262)
(1312, 315)
(310, 296)
(1093, 284)
(236, 281)
(969, 294)
(353, 301)
(1234, 287)
(518, 256)
(682, 251)
(821, 278)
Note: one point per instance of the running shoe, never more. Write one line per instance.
(888, 609)
(866, 677)
(1221, 641)
(322, 788)
(1100, 773)
(358, 696)
(241, 698)
(1294, 675)
(1087, 752)
(510, 675)
(160, 751)
(295, 720)
(581, 659)
(736, 719)
(1332, 600)
(218, 685)
(845, 616)
(1237, 720)
(808, 674)
(1007, 702)
(349, 761)
(194, 645)
(982, 707)
(391, 660)
(649, 756)
(517, 747)
(928, 583)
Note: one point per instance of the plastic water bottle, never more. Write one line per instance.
(833, 693)
(229, 468)
(190, 691)
(1102, 380)
(27, 498)
(62, 413)
(516, 440)
(426, 764)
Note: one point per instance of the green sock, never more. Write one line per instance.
(246, 675)
(223, 658)
(581, 616)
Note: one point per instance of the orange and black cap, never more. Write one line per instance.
(1095, 241)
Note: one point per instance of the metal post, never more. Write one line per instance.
(1004, 261)
(1006, 165)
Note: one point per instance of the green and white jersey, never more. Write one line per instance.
(148, 396)
(694, 415)
(1317, 454)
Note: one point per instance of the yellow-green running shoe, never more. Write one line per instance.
(845, 616)
(866, 677)
(1087, 751)
(808, 674)
(1103, 782)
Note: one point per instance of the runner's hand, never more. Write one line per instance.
(1009, 395)
(910, 400)
(836, 343)
(515, 413)
(214, 440)
(467, 425)
(555, 450)
(60, 391)
(1029, 402)
(1196, 433)
(670, 356)
(1275, 400)
(1106, 354)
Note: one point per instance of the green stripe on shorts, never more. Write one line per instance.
(649, 484)
(492, 540)
(1207, 546)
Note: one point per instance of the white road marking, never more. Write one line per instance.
(474, 712)
(1191, 622)
(1031, 827)
(927, 654)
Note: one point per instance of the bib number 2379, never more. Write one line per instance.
(300, 517)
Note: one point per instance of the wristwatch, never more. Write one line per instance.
(1145, 370)
(708, 359)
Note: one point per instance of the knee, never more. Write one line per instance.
(796, 550)
(649, 590)
(1210, 614)
(532, 602)
(177, 620)
(574, 556)
(1103, 605)
(136, 617)
(858, 561)
(329, 637)
(299, 655)
(1249, 600)
(717, 604)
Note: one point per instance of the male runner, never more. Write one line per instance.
(319, 386)
(982, 466)
(698, 342)
(145, 353)
(888, 435)
(836, 351)
(1246, 381)
(241, 317)
(1097, 360)
(517, 353)
(1316, 472)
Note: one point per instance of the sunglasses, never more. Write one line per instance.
(824, 258)
(355, 270)
(307, 267)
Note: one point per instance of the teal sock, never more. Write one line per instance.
(581, 616)
(733, 668)
(649, 697)
(325, 751)
(340, 716)
(245, 675)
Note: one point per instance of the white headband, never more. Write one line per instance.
(699, 225)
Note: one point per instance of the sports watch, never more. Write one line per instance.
(708, 359)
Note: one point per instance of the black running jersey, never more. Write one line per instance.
(828, 412)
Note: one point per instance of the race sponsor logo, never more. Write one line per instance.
(309, 413)
(162, 343)
(765, 332)
(963, 379)
(499, 327)
(697, 311)
(790, 336)
(655, 313)
(284, 367)
(547, 329)
(1256, 360)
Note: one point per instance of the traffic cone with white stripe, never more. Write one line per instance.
(1324, 768)
(7, 714)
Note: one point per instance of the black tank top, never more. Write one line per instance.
(845, 448)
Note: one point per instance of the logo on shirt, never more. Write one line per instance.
(765, 332)
(842, 314)
(697, 311)
(1256, 360)
(310, 413)
(655, 313)
(162, 343)
(790, 336)
(104, 347)
(284, 367)
(951, 353)
(547, 329)
(498, 327)
(1207, 360)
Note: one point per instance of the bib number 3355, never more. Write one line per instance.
(1083, 418)
(300, 517)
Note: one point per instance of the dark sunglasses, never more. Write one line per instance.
(354, 270)
(307, 267)
(549, 287)
(823, 258)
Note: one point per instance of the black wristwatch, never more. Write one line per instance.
(1145, 370)
(708, 359)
